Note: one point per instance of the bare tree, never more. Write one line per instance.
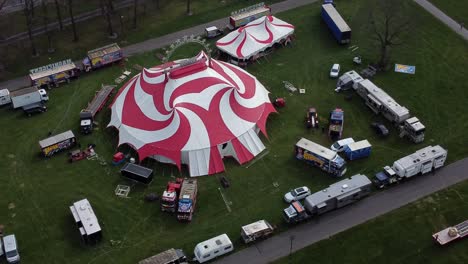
(189, 11)
(59, 14)
(2, 4)
(48, 32)
(135, 4)
(28, 13)
(388, 25)
(72, 18)
(108, 10)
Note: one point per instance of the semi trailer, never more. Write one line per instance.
(339, 28)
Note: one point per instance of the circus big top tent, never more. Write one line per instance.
(193, 112)
(255, 37)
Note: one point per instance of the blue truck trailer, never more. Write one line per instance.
(358, 150)
(341, 31)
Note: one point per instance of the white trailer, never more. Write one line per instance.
(212, 248)
(256, 230)
(348, 80)
(422, 161)
(28, 96)
(5, 97)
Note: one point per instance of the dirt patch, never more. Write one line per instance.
(11, 156)
(11, 206)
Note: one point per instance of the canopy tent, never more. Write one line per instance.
(255, 37)
(193, 112)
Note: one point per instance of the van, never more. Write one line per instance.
(11, 249)
(212, 248)
(341, 144)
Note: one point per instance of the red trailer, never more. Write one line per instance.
(171, 195)
(87, 115)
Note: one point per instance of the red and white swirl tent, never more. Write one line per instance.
(255, 37)
(193, 112)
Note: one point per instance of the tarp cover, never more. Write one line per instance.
(193, 112)
(255, 37)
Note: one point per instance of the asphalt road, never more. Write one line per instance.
(329, 224)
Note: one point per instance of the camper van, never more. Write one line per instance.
(212, 248)
(11, 249)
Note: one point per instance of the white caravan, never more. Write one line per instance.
(212, 248)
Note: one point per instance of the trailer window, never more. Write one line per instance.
(227, 248)
(207, 256)
(216, 252)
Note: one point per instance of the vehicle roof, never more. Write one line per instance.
(23, 91)
(56, 139)
(384, 98)
(87, 217)
(316, 148)
(103, 50)
(345, 141)
(164, 257)
(359, 145)
(353, 75)
(9, 243)
(212, 28)
(337, 189)
(337, 114)
(415, 123)
(421, 155)
(250, 12)
(4, 92)
(54, 70)
(256, 227)
(137, 169)
(213, 243)
(339, 21)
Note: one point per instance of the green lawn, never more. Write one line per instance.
(38, 191)
(93, 33)
(457, 10)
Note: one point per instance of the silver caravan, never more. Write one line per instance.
(380, 102)
(348, 80)
(338, 194)
(422, 161)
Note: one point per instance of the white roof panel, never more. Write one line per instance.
(339, 21)
(86, 215)
(316, 148)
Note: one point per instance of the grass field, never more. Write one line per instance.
(93, 33)
(458, 10)
(36, 192)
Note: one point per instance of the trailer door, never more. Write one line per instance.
(426, 167)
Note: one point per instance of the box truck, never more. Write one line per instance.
(340, 30)
(28, 96)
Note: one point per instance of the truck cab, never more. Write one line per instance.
(170, 196)
(86, 122)
(295, 213)
(335, 129)
(386, 177)
(413, 129)
(338, 166)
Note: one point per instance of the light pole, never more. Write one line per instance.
(291, 238)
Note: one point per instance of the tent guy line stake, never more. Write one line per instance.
(257, 159)
(224, 199)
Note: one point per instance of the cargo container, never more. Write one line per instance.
(137, 173)
(53, 74)
(102, 56)
(340, 30)
(358, 150)
(57, 143)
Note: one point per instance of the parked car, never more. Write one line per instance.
(34, 108)
(335, 71)
(380, 129)
(212, 32)
(11, 249)
(297, 194)
(341, 144)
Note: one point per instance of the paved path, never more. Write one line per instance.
(329, 224)
(165, 40)
(455, 26)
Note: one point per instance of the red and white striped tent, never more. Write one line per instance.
(255, 37)
(193, 112)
